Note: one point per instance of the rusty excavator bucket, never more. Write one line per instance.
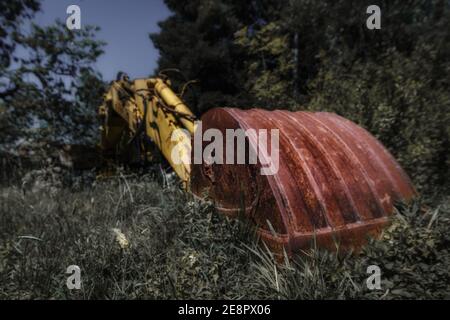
(335, 185)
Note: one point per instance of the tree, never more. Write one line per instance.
(12, 15)
(51, 91)
(269, 64)
(319, 55)
(198, 39)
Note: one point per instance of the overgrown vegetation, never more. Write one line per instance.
(172, 247)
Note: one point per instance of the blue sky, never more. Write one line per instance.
(125, 26)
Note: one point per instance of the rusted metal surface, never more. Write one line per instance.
(335, 184)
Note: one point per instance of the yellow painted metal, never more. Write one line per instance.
(169, 123)
(172, 100)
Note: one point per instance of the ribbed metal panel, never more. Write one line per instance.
(335, 181)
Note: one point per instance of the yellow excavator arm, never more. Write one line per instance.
(147, 107)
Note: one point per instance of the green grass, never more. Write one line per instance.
(180, 248)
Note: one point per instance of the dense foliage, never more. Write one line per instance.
(49, 89)
(319, 55)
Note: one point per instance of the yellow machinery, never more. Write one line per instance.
(145, 106)
(335, 181)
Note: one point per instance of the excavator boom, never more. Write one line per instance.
(145, 109)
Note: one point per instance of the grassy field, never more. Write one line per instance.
(137, 238)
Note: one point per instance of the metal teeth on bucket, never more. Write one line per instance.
(336, 184)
